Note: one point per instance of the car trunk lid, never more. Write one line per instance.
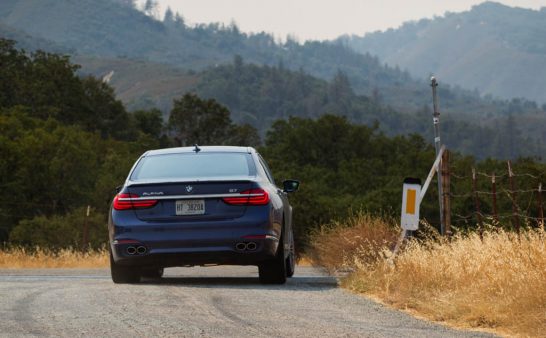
(189, 200)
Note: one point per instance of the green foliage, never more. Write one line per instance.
(47, 85)
(65, 141)
(342, 167)
(64, 151)
(260, 95)
(61, 231)
(206, 122)
(347, 167)
(116, 34)
(149, 121)
(50, 168)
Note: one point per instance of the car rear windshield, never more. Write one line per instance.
(191, 165)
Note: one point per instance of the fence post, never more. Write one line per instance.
(477, 203)
(494, 195)
(437, 146)
(446, 185)
(540, 208)
(85, 235)
(513, 196)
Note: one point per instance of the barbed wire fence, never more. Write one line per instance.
(526, 202)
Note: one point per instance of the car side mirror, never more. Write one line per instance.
(290, 185)
(118, 188)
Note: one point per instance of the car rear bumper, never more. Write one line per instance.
(193, 243)
(207, 253)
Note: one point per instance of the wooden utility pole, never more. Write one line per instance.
(513, 196)
(540, 207)
(437, 146)
(477, 203)
(85, 236)
(446, 184)
(494, 196)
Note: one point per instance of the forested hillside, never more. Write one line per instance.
(150, 63)
(66, 142)
(497, 49)
(259, 95)
(114, 29)
(28, 42)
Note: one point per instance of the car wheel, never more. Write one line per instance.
(291, 259)
(123, 274)
(152, 273)
(273, 271)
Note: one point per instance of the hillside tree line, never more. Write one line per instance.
(66, 142)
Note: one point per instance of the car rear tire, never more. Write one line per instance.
(152, 273)
(291, 259)
(274, 271)
(123, 274)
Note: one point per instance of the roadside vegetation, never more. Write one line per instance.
(66, 142)
(39, 258)
(495, 283)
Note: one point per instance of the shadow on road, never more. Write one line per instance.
(308, 283)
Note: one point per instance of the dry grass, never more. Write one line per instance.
(20, 258)
(498, 283)
(336, 246)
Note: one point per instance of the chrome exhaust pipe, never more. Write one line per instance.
(240, 246)
(251, 246)
(141, 250)
(131, 250)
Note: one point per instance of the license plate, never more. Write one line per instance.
(190, 207)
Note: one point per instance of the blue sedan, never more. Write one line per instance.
(197, 206)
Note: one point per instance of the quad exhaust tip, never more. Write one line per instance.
(250, 246)
(240, 246)
(139, 250)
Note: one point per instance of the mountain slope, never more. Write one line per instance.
(151, 62)
(30, 43)
(112, 29)
(497, 49)
(140, 84)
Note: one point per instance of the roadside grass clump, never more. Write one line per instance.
(498, 282)
(340, 246)
(38, 258)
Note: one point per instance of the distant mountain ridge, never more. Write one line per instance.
(152, 62)
(30, 43)
(497, 49)
(111, 29)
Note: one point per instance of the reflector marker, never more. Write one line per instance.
(410, 201)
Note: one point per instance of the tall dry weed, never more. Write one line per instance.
(339, 245)
(498, 282)
(36, 258)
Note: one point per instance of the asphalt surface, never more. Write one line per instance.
(196, 302)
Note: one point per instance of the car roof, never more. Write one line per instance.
(202, 149)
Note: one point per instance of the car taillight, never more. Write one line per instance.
(132, 203)
(249, 197)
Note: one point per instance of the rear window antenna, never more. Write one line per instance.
(196, 149)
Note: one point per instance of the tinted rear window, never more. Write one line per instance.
(193, 165)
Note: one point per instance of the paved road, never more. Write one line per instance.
(195, 302)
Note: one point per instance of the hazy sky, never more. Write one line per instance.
(321, 19)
